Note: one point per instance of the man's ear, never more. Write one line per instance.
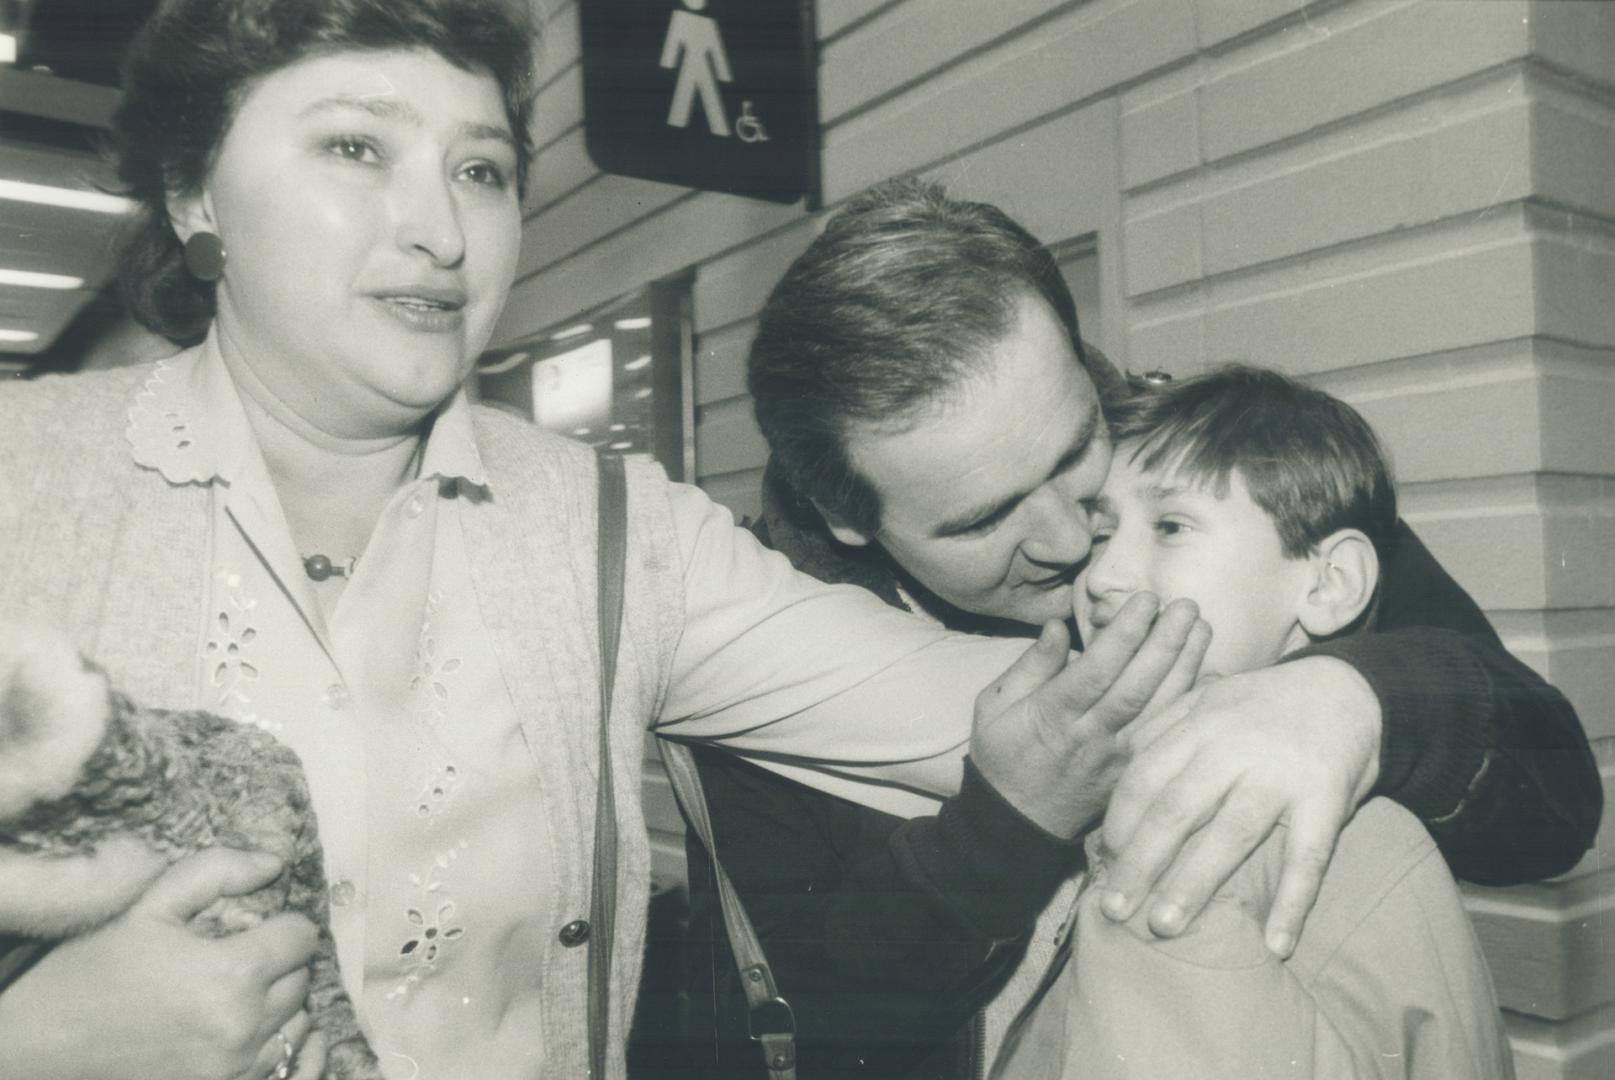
(1345, 572)
(841, 530)
(190, 213)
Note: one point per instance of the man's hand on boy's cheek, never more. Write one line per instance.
(1210, 776)
(1046, 731)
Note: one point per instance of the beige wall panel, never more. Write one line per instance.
(1583, 1049)
(1058, 179)
(733, 286)
(1522, 542)
(1220, 20)
(1553, 964)
(703, 225)
(559, 108)
(1400, 296)
(557, 172)
(1575, 279)
(1464, 431)
(727, 439)
(1467, 167)
(720, 362)
(1573, 155)
(1161, 133)
(1578, 37)
(740, 491)
(1163, 248)
(910, 41)
(1348, 60)
(835, 16)
(590, 214)
(562, 46)
(1067, 60)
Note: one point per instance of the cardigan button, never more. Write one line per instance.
(574, 933)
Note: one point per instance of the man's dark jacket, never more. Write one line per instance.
(887, 936)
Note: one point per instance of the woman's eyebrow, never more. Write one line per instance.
(387, 107)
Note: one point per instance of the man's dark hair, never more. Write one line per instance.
(887, 312)
(194, 62)
(1311, 461)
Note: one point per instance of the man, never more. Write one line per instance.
(935, 424)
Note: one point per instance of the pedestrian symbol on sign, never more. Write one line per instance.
(694, 46)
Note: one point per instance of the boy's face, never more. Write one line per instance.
(1157, 532)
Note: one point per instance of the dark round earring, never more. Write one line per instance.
(204, 256)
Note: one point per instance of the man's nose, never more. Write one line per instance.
(1060, 532)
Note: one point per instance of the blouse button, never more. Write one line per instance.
(343, 893)
(574, 933)
(414, 507)
(336, 696)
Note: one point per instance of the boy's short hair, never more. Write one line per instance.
(1311, 461)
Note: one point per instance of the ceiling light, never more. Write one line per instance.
(636, 323)
(8, 49)
(29, 280)
(18, 336)
(571, 332)
(70, 198)
(637, 363)
(621, 446)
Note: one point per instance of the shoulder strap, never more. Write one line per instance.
(770, 1018)
(613, 540)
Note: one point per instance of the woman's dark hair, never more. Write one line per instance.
(887, 313)
(195, 61)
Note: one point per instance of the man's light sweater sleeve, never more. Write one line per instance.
(805, 676)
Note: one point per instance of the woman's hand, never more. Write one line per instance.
(1212, 774)
(146, 998)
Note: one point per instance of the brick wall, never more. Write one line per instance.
(1411, 204)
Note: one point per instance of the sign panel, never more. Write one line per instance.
(720, 95)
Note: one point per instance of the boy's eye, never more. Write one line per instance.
(1169, 527)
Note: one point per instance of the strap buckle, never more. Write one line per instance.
(770, 1016)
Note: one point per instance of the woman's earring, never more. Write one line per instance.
(204, 256)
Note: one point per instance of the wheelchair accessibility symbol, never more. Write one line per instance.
(748, 127)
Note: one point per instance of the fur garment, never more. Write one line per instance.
(97, 795)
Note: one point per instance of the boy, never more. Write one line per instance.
(1268, 504)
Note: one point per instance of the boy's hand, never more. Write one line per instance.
(1046, 731)
(1214, 772)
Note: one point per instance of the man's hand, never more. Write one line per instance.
(1213, 773)
(146, 997)
(1045, 735)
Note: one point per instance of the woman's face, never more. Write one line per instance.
(367, 204)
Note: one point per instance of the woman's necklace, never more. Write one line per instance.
(319, 567)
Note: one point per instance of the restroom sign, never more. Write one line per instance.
(720, 95)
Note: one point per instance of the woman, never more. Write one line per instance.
(301, 522)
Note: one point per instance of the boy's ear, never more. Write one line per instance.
(1345, 572)
(841, 530)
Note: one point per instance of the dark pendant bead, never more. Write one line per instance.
(318, 567)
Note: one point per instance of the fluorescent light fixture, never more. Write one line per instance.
(69, 198)
(639, 322)
(571, 332)
(619, 427)
(638, 363)
(642, 393)
(8, 49)
(621, 446)
(17, 336)
(29, 280)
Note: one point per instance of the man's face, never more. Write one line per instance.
(1155, 531)
(982, 498)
